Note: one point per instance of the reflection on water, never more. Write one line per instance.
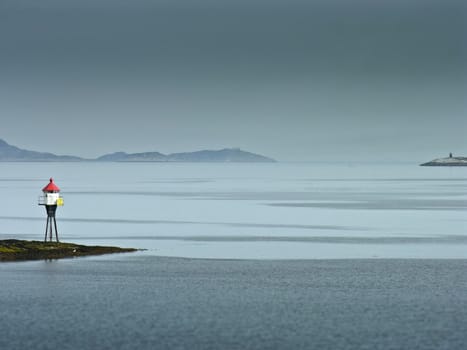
(233, 224)
(385, 204)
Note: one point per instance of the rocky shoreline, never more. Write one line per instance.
(448, 161)
(20, 250)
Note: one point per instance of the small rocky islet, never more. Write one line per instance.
(20, 250)
(448, 161)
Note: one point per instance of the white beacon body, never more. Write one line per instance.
(51, 199)
(51, 195)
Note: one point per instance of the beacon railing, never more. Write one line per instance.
(43, 200)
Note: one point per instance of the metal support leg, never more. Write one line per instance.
(56, 231)
(51, 230)
(46, 229)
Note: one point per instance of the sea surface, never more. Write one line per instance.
(240, 256)
(248, 211)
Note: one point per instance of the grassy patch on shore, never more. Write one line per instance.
(13, 250)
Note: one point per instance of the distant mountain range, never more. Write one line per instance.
(9, 153)
(13, 153)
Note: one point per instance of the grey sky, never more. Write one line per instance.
(294, 80)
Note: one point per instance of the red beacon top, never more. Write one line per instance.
(51, 187)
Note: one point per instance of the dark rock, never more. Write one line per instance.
(13, 250)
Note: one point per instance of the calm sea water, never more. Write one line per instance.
(254, 211)
(300, 256)
(149, 302)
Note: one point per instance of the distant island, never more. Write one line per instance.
(9, 153)
(15, 250)
(448, 161)
(13, 153)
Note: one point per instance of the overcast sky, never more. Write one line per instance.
(291, 79)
